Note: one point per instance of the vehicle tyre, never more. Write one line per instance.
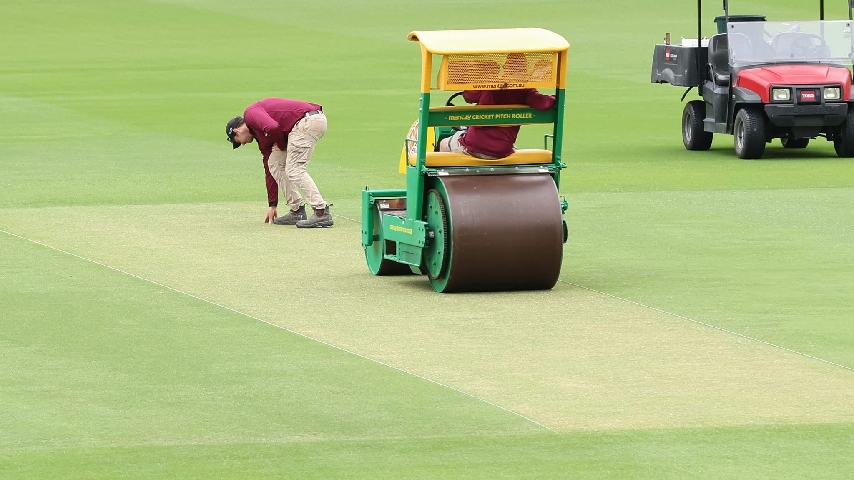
(843, 142)
(693, 135)
(794, 142)
(749, 133)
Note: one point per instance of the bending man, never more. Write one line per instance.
(286, 131)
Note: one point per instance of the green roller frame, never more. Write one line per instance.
(408, 231)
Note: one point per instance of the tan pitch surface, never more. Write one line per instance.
(568, 358)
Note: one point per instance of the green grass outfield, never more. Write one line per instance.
(151, 326)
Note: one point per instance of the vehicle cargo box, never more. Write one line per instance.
(679, 65)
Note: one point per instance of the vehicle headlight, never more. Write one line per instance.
(832, 93)
(781, 94)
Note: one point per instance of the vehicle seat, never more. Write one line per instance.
(739, 46)
(525, 156)
(719, 59)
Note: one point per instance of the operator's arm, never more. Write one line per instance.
(539, 101)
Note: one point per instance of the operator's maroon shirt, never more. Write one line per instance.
(498, 141)
(270, 121)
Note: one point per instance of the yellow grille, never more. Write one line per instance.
(497, 71)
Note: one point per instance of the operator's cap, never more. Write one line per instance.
(229, 130)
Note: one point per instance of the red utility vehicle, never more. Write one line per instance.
(759, 80)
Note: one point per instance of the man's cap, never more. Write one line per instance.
(229, 130)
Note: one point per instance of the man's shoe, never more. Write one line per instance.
(315, 222)
(292, 217)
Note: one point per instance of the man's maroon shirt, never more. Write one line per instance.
(270, 121)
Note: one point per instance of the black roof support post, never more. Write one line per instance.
(700, 41)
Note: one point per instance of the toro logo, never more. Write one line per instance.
(807, 95)
(669, 56)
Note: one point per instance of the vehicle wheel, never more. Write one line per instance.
(749, 133)
(843, 142)
(794, 142)
(693, 135)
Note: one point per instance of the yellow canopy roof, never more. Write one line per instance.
(503, 40)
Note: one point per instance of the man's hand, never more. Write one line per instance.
(276, 148)
(271, 215)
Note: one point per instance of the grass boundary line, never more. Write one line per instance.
(252, 317)
(712, 326)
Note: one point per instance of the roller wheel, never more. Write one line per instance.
(377, 264)
(437, 250)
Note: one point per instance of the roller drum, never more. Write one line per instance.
(505, 233)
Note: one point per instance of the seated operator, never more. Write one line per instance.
(494, 142)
